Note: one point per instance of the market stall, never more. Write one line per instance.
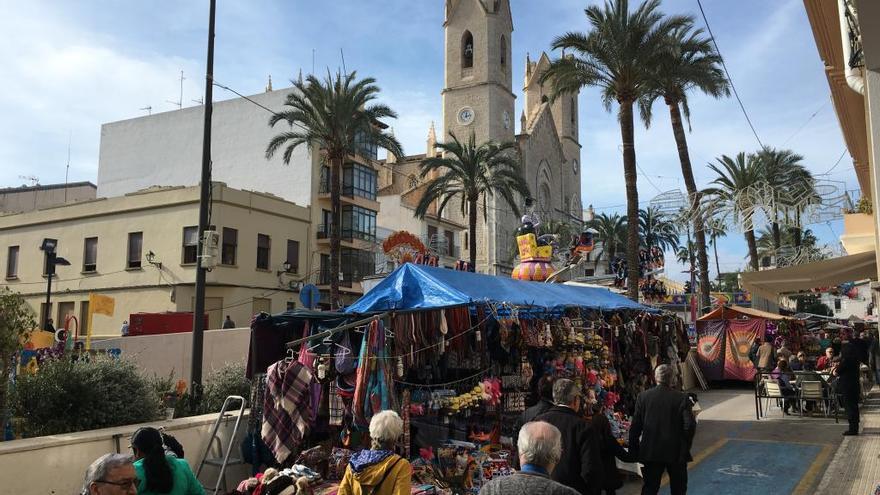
(457, 354)
(725, 337)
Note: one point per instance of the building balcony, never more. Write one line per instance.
(858, 233)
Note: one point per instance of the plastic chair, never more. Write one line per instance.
(774, 391)
(812, 390)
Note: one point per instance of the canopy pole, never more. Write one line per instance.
(337, 329)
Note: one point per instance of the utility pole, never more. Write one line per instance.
(49, 248)
(199, 311)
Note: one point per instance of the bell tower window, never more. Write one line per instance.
(467, 50)
(573, 111)
(503, 50)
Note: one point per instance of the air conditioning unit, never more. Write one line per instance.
(210, 249)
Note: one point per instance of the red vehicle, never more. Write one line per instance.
(161, 323)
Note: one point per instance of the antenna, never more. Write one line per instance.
(67, 171)
(148, 108)
(179, 102)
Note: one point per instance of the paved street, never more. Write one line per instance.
(735, 454)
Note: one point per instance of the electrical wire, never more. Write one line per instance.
(799, 129)
(727, 73)
(828, 172)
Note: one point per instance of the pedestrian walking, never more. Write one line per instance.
(661, 434)
(540, 447)
(874, 358)
(848, 386)
(124, 329)
(159, 472)
(766, 357)
(228, 323)
(580, 467)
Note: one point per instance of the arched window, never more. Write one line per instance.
(503, 51)
(467, 50)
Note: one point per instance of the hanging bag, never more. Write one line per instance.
(346, 362)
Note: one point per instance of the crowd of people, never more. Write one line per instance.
(838, 369)
(565, 446)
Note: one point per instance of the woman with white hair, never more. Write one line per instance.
(379, 471)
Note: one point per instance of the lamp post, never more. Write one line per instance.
(49, 247)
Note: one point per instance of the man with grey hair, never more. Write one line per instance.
(111, 474)
(540, 447)
(580, 466)
(661, 434)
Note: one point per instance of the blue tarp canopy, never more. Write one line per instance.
(424, 287)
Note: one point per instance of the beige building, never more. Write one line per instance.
(478, 98)
(30, 198)
(140, 249)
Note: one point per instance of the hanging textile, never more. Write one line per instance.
(710, 348)
(287, 412)
(374, 386)
(740, 336)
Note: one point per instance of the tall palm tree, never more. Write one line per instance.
(735, 176)
(683, 253)
(612, 232)
(656, 229)
(784, 173)
(471, 173)
(716, 230)
(616, 56)
(688, 62)
(330, 115)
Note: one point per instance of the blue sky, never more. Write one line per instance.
(71, 66)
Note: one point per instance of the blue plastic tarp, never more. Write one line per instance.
(424, 287)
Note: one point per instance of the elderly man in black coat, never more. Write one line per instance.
(848, 385)
(580, 466)
(661, 434)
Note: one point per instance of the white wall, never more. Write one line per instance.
(171, 353)
(57, 463)
(165, 149)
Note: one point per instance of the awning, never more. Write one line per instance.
(425, 287)
(826, 273)
(733, 312)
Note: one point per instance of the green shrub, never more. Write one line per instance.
(67, 396)
(223, 382)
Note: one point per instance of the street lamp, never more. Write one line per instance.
(285, 268)
(52, 260)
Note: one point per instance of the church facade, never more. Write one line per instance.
(478, 98)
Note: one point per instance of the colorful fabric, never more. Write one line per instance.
(287, 412)
(710, 348)
(366, 458)
(374, 387)
(739, 338)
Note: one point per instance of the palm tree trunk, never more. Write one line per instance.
(688, 173)
(753, 249)
(717, 263)
(335, 234)
(777, 235)
(627, 135)
(472, 228)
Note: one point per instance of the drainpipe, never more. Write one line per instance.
(854, 78)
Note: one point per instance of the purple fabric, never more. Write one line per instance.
(287, 413)
(739, 338)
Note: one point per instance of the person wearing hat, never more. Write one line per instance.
(580, 466)
(378, 470)
(158, 472)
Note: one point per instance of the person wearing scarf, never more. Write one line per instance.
(378, 470)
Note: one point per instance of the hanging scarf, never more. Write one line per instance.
(374, 386)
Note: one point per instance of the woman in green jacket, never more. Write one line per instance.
(160, 473)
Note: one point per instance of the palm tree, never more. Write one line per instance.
(612, 233)
(331, 115)
(688, 62)
(683, 254)
(788, 178)
(656, 229)
(471, 173)
(735, 177)
(616, 56)
(716, 229)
